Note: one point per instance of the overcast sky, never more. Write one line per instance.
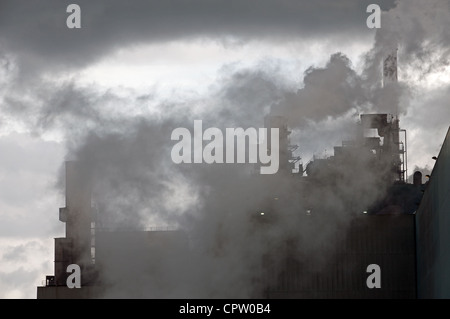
(228, 61)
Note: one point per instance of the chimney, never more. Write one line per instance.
(75, 248)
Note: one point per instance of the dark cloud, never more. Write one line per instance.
(37, 33)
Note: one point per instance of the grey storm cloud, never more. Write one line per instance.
(36, 30)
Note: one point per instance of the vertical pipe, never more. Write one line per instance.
(406, 156)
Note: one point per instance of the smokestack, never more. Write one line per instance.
(75, 248)
(390, 80)
(78, 203)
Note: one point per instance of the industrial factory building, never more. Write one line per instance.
(433, 235)
(404, 230)
(130, 252)
(382, 233)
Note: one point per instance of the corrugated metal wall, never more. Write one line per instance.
(433, 231)
(385, 240)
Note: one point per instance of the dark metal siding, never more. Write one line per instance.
(433, 231)
(386, 240)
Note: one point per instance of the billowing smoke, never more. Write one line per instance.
(234, 220)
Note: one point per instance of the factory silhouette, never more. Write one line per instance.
(401, 227)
